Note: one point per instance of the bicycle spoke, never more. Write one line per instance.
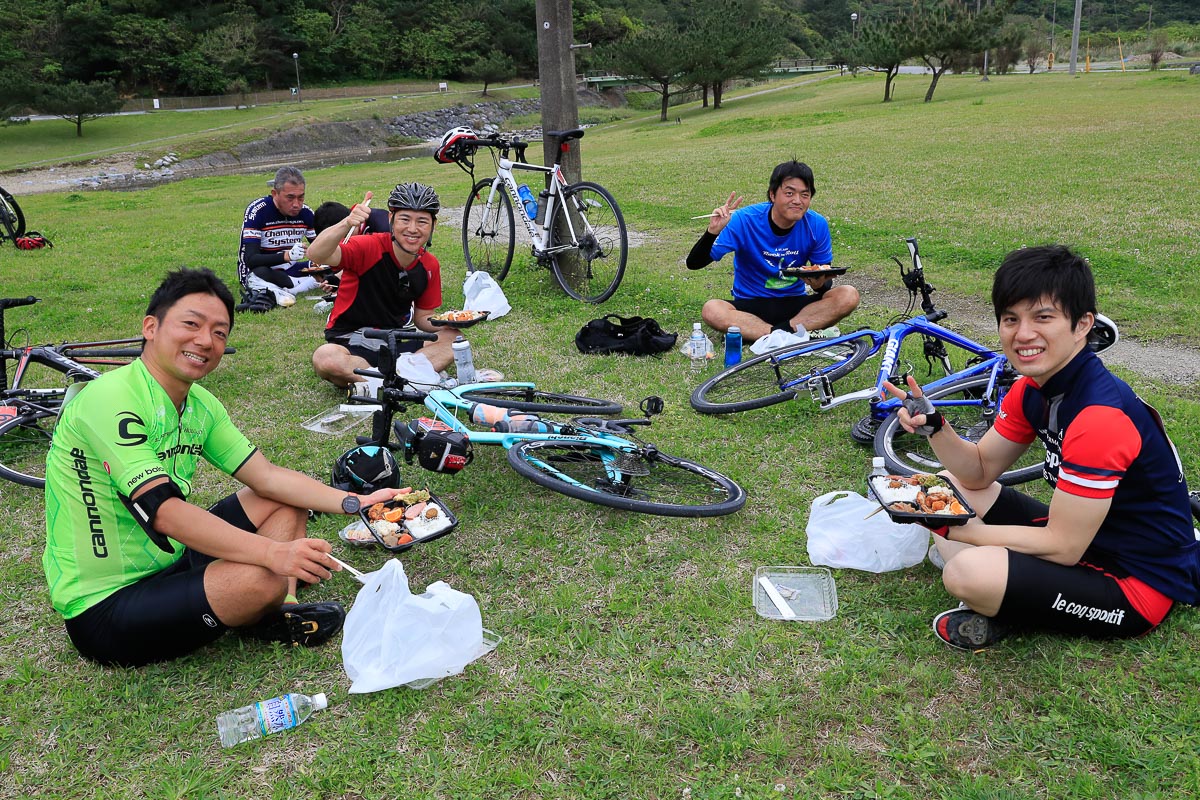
(634, 479)
(593, 265)
(488, 232)
(24, 444)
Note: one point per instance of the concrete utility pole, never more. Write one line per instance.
(1075, 36)
(556, 73)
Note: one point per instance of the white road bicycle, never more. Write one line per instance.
(578, 231)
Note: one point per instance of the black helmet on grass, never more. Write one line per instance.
(364, 469)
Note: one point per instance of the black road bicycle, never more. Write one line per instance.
(12, 220)
(30, 403)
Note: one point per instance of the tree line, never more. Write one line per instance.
(87, 55)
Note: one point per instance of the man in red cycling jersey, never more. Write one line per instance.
(1114, 550)
(388, 280)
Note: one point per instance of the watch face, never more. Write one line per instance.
(350, 504)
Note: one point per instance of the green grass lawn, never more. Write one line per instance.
(632, 663)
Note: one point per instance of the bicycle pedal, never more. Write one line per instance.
(820, 388)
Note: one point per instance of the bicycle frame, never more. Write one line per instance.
(540, 235)
(890, 340)
(446, 405)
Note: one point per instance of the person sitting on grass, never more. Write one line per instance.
(331, 213)
(275, 231)
(765, 239)
(1114, 551)
(388, 280)
(138, 573)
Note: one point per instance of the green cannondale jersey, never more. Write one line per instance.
(118, 433)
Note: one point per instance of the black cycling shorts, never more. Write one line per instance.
(1093, 599)
(776, 311)
(275, 277)
(163, 616)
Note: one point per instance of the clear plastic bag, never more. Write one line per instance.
(393, 637)
(843, 533)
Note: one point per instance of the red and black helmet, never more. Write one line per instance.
(455, 145)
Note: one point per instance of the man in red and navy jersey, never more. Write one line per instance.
(1115, 549)
(388, 280)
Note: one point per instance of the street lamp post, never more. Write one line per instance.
(296, 61)
(854, 25)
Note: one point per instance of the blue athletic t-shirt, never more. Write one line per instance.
(759, 254)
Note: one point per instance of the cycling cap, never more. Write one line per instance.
(365, 469)
(414, 197)
(455, 144)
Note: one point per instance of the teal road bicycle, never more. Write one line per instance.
(586, 457)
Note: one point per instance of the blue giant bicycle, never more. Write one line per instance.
(969, 397)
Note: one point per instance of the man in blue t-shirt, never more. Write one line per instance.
(275, 234)
(768, 241)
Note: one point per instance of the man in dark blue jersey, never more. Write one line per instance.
(1114, 550)
(275, 233)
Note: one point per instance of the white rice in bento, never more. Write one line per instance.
(887, 494)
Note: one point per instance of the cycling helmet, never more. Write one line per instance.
(455, 144)
(414, 197)
(365, 469)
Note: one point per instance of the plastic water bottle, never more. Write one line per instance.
(877, 468)
(267, 717)
(531, 203)
(464, 362)
(733, 345)
(322, 306)
(699, 348)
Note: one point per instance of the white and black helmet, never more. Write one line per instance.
(414, 197)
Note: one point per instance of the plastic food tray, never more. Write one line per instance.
(362, 512)
(924, 518)
(800, 272)
(339, 419)
(490, 640)
(808, 591)
(344, 535)
(461, 323)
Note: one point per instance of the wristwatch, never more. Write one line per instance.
(351, 504)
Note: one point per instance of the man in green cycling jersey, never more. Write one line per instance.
(138, 573)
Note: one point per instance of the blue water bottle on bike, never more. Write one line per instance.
(733, 346)
(531, 203)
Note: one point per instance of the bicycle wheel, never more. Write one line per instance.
(540, 402)
(591, 271)
(12, 220)
(906, 453)
(758, 382)
(24, 444)
(642, 480)
(488, 234)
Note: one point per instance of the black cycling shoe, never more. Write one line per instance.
(258, 301)
(307, 624)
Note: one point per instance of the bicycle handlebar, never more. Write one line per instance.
(400, 334)
(14, 302)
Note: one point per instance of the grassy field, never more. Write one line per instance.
(632, 663)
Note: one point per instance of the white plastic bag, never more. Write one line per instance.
(775, 340)
(417, 369)
(482, 293)
(840, 534)
(393, 637)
